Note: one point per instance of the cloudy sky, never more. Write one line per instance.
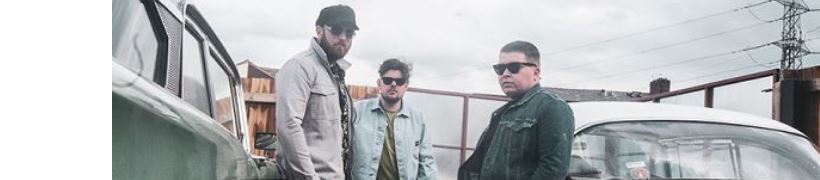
(589, 44)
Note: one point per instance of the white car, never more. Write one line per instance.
(627, 140)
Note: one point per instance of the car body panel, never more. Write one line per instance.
(630, 140)
(589, 114)
(158, 136)
(155, 133)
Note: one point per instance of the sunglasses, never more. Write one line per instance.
(389, 81)
(337, 31)
(513, 67)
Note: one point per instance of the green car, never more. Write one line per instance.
(177, 104)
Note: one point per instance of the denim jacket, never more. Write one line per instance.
(528, 138)
(414, 156)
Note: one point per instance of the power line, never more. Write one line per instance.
(813, 30)
(654, 29)
(628, 55)
(455, 73)
(673, 44)
(754, 60)
(635, 34)
(721, 63)
(668, 64)
(660, 47)
(757, 17)
(722, 72)
(727, 71)
(767, 65)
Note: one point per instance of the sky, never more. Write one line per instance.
(588, 44)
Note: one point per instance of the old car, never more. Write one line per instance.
(177, 104)
(630, 140)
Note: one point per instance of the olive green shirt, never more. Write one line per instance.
(387, 164)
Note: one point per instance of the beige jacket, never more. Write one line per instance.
(308, 117)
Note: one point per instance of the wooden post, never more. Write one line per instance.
(708, 98)
(464, 121)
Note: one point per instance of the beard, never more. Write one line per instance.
(514, 94)
(332, 54)
(390, 100)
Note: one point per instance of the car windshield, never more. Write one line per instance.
(690, 150)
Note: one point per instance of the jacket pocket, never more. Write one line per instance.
(323, 90)
(518, 124)
(517, 135)
(323, 103)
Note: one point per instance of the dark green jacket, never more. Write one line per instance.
(528, 138)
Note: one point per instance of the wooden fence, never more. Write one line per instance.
(260, 103)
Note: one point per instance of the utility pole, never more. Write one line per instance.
(797, 102)
(792, 42)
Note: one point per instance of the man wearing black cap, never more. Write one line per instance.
(313, 110)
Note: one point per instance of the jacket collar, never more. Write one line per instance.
(527, 96)
(376, 106)
(314, 44)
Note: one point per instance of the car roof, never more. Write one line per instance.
(589, 114)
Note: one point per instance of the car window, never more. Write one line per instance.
(221, 91)
(194, 89)
(134, 43)
(690, 150)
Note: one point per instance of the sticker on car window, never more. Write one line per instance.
(638, 170)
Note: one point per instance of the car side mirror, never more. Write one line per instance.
(265, 141)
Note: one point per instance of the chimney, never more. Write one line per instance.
(660, 85)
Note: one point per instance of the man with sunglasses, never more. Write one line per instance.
(313, 110)
(391, 140)
(530, 137)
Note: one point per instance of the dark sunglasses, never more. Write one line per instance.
(337, 31)
(513, 67)
(389, 81)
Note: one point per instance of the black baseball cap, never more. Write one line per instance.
(338, 16)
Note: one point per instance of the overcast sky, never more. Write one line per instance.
(452, 44)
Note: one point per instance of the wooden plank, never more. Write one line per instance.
(264, 85)
(776, 101)
(812, 103)
(372, 92)
(246, 85)
(465, 111)
(354, 92)
(260, 119)
(256, 85)
(708, 98)
(260, 97)
(361, 92)
(260, 85)
(814, 85)
(273, 86)
(814, 117)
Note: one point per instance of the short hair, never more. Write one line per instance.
(528, 49)
(395, 64)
